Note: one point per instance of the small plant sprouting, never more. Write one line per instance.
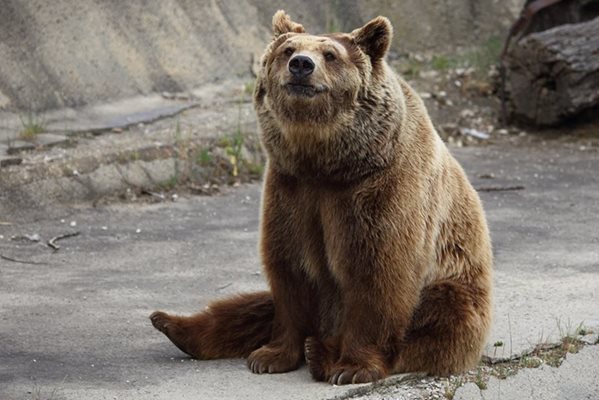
(480, 379)
(32, 125)
(171, 183)
(248, 88)
(480, 58)
(452, 386)
(485, 55)
(497, 345)
(442, 63)
(582, 330)
(235, 143)
(177, 150)
(204, 158)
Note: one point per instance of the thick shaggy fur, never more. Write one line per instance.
(374, 243)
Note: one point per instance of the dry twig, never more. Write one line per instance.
(7, 258)
(52, 242)
(499, 188)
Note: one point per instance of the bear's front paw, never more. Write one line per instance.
(343, 374)
(273, 360)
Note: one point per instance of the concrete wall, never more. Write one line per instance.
(67, 53)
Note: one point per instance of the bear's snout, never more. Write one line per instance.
(301, 66)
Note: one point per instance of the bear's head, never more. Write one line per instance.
(328, 105)
(313, 78)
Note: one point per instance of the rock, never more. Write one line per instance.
(482, 88)
(432, 74)
(183, 96)
(493, 72)
(466, 113)
(418, 57)
(34, 238)
(474, 133)
(464, 72)
(591, 338)
(6, 161)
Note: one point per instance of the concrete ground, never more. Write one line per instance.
(73, 322)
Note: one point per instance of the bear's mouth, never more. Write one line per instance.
(304, 89)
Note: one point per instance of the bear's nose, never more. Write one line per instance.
(301, 66)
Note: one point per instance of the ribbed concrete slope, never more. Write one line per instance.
(67, 53)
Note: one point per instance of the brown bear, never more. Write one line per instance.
(374, 243)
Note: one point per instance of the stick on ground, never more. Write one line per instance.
(52, 242)
(7, 258)
(499, 188)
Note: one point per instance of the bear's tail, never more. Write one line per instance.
(228, 328)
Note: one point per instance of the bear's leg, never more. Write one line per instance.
(296, 313)
(373, 315)
(361, 350)
(226, 329)
(321, 356)
(447, 334)
(448, 330)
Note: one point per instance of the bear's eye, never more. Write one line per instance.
(329, 56)
(289, 51)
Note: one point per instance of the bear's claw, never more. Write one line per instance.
(272, 360)
(346, 374)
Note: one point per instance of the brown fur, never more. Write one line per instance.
(374, 242)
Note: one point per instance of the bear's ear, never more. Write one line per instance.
(282, 23)
(374, 38)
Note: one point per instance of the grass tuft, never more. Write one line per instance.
(32, 125)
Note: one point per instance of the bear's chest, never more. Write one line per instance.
(316, 217)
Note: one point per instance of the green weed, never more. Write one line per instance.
(204, 158)
(32, 125)
(480, 379)
(443, 63)
(248, 88)
(486, 55)
(480, 58)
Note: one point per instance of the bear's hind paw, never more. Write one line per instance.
(171, 329)
(159, 321)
